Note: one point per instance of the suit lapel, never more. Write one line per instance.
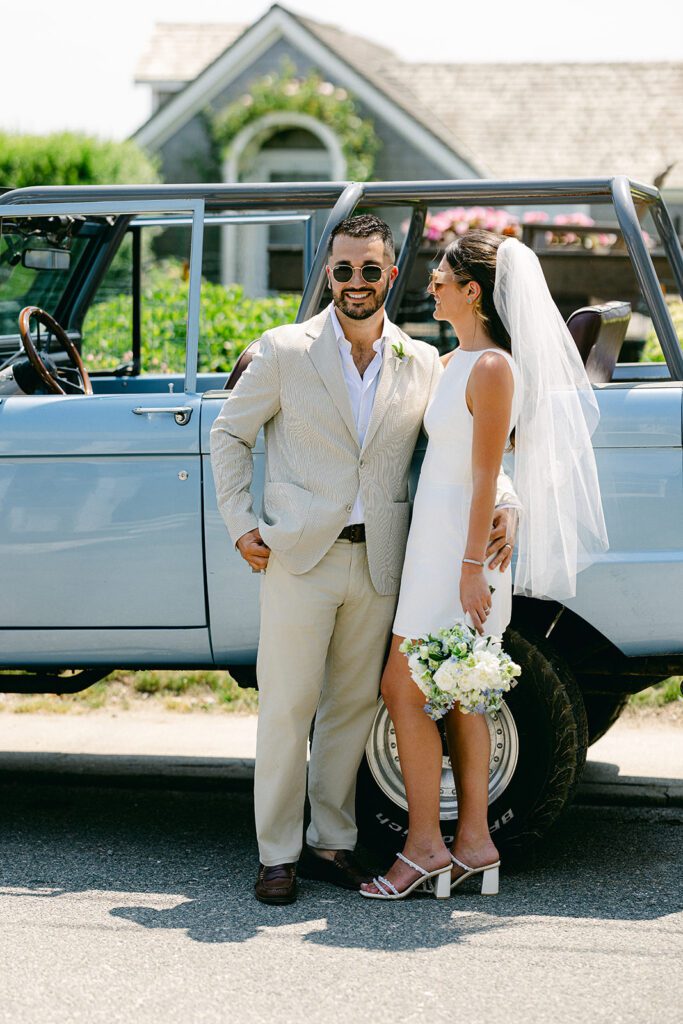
(324, 353)
(390, 375)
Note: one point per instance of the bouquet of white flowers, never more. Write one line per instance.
(458, 666)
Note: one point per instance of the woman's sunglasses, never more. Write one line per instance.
(370, 272)
(436, 278)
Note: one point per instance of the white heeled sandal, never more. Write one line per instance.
(489, 873)
(436, 882)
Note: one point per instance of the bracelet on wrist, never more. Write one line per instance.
(472, 561)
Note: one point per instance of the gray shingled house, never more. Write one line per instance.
(432, 120)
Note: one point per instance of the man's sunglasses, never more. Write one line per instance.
(370, 272)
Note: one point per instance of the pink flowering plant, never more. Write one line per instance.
(446, 225)
(457, 666)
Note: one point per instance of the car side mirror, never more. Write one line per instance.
(46, 259)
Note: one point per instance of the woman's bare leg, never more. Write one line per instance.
(469, 747)
(419, 748)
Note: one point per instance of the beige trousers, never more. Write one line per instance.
(321, 652)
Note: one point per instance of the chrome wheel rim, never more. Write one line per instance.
(382, 756)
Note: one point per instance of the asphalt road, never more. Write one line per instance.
(125, 899)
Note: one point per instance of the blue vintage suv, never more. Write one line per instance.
(112, 550)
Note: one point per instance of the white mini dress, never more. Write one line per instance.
(430, 583)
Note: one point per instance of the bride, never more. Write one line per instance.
(516, 380)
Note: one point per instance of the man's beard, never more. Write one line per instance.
(375, 301)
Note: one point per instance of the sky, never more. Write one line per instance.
(62, 60)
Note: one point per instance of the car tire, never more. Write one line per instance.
(540, 738)
(602, 711)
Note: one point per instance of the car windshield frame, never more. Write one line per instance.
(131, 208)
(48, 287)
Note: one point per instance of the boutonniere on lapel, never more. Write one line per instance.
(400, 352)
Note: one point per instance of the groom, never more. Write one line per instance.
(342, 398)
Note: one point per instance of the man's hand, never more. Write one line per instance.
(502, 538)
(253, 550)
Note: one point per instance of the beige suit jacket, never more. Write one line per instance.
(294, 387)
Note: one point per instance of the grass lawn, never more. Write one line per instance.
(667, 692)
(217, 692)
(123, 691)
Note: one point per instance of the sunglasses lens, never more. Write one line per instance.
(342, 273)
(371, 273)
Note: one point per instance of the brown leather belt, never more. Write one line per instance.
(354, 533)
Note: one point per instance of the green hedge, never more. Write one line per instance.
(652, 353)
(229, 320)
(70, 158)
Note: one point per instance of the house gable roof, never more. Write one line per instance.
(494, 120)
(388, 73)
(280, 23)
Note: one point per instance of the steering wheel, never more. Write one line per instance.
(48, 373)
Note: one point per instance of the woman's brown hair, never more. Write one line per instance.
(472, 257)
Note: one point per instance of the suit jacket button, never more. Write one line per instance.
(361, 463)
(349, 508)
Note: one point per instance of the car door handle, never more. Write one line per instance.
(181, 413)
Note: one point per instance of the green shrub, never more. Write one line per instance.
(70, 158)
(312, 96)
(666, 692)
(652, 353)
(212, 688)
(229, 320)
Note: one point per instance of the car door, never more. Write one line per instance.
(100, 511)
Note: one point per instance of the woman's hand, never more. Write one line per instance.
(475, 596)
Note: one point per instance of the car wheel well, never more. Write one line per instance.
(597, 664)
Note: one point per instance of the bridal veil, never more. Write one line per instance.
(562, 527)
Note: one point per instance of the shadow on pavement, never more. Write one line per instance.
(196, 846)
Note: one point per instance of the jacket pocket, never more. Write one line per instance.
(285, 509)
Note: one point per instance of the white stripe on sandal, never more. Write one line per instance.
(489, 873)
(436, 883)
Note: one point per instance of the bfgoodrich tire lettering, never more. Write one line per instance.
(549, 719)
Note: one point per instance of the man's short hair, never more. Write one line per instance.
(365, 225)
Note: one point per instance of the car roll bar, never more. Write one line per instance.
(646, 275)
(323, 194)
(316, 279)
(411, 244)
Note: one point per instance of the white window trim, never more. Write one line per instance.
(278, 121)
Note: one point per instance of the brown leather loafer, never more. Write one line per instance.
(345, 870)
(276, 884)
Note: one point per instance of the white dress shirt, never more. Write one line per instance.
(361, 390)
